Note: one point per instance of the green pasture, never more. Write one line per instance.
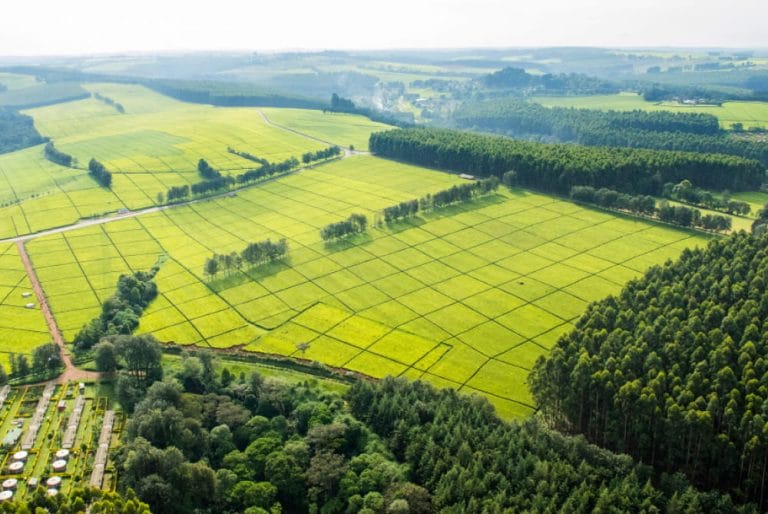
(466, 297)
(24, 91)
(750, 114)
(21, 329)
(16, 81)
(337, 128)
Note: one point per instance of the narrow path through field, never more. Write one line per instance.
(347, 151)
(71, 373)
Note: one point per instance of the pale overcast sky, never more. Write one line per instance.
(32, 27)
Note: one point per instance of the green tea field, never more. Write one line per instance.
(21, 328)
(750, 114)
(466, 297)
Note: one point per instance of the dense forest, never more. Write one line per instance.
(210, 442)
(559, 167)
(660, 130)
(674, 370)
(17, 131)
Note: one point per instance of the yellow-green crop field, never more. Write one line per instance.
(466, 297)
(21, 329)
(750, 114)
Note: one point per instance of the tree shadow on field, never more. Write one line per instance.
(458, 208)
(348, 242)
(254, 273)
(402, 225)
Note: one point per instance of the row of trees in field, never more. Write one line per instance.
(354, 224)
(326, 153)
(56, 156)
(686, 192)
(454, 194)
(255, 254)
(215, 181)
(559, 167)
(121, 312)
(109, 101)
(646, 205)
(660, 130)
(674, 370)
(248, 156)
(689, 217)
(17, 131)
(99, 173)
(207, 171)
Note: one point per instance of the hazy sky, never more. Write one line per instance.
(29, 27)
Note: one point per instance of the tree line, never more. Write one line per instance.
(548, 83)
(17, 131)
(354, 224)
(215, 181)
(660, 130)
(455, 194)
(56, 156)
(326, 153)
(120, 313)
(99, 173)
(118, 106)
(686, 192)
(674, 369)
(255, 254)
(646, 205)
(558, 167)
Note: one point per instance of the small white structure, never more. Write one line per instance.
(59, 465)
(10, 483)
(467, 176)
(30, 306)
(53, 482)
(26, 294)
(62, 454)
(21, 455)
(51, 492)
(5, 496)
(32, 483)
(16, 467)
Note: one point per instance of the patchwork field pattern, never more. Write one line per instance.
(36, 194)
(750, 114)
(21, 329)
(468, 297)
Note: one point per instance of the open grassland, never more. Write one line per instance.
(21, 329)
(467, 297)
(337, 128)
(750, 114)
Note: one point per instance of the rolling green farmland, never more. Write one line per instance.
(750, 114)
(21, 329)
(36, 194)
(466, 297)
(152, 147)
(338, 128)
